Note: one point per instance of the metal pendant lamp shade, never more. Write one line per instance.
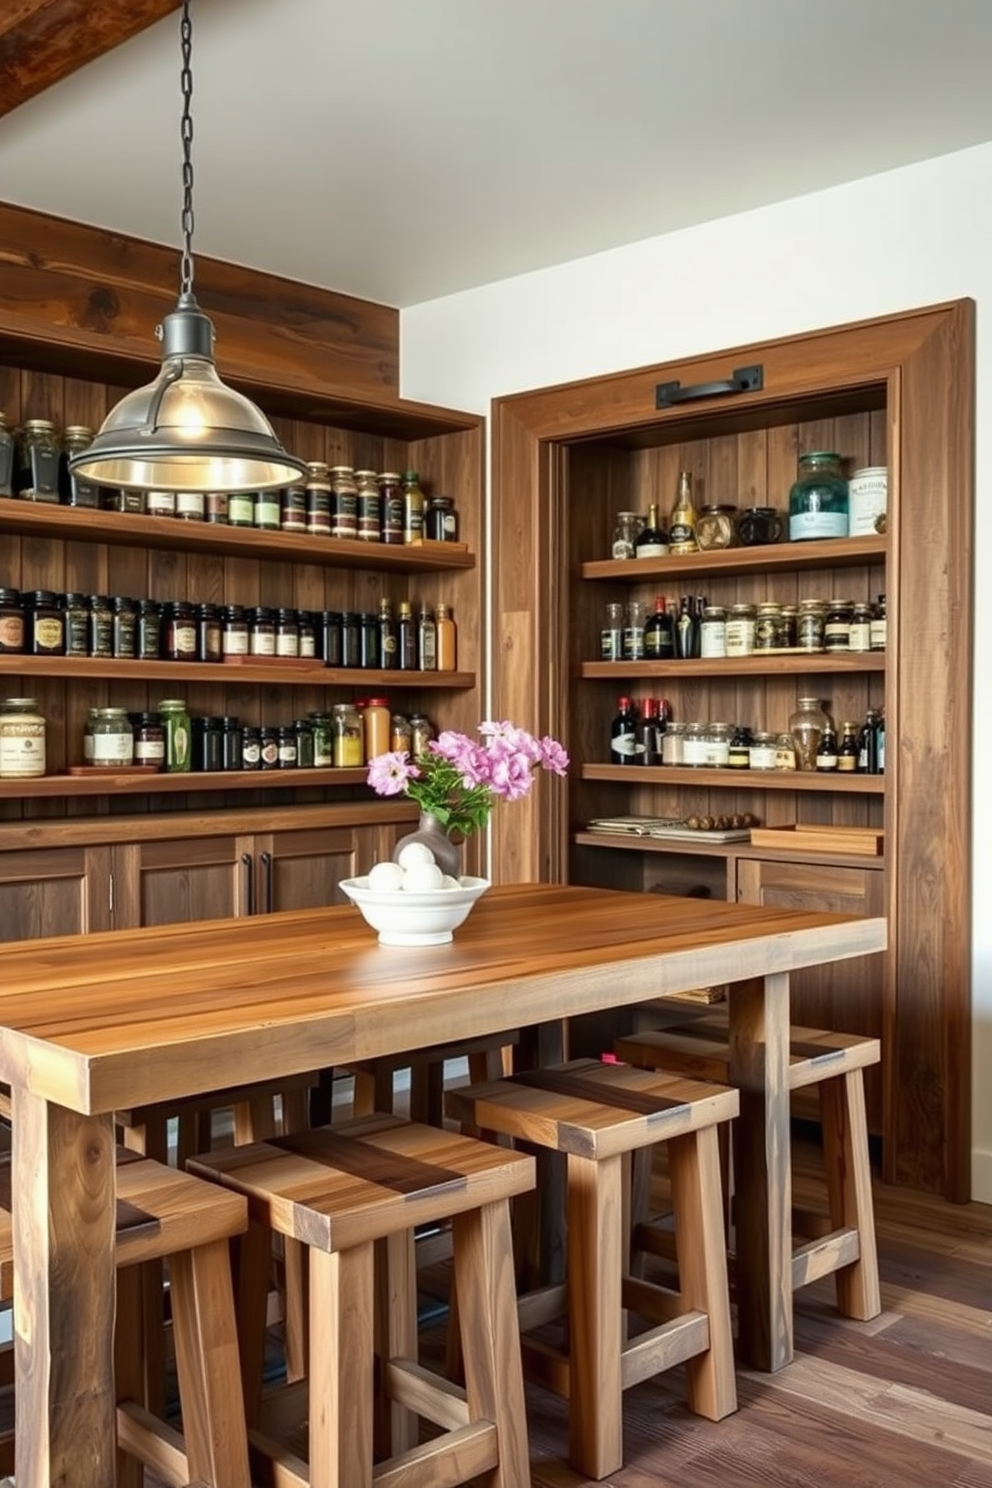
(187, 431)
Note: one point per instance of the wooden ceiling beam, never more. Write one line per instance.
(43, 41)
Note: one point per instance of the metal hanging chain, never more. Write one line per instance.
(186, 131)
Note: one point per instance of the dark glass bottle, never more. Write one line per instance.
(350, 649)
(209, 633)
(659, 633)
(178, 632)
(647, 733)
(124, 627)
(406, 639)
(739, 749)
(77, 625)
(232, 743)
(652, 540)
(308, 634)
(329, 637)
(625, 743)
(868, 745)
(847, 754)
(101, 626)
(44, 623)
(368, 640)
(388, 657)
(391, 507)
(686, 630)
(149, 628)
(826, 751)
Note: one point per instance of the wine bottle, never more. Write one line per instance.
(387, 636)
(686, 630)
(647, 732)
(682, 525)
(659, 633)
(625, 746)
(652, 540)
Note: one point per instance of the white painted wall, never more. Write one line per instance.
(887, 243)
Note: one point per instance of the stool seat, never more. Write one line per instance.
(833, 1062)
(165, 1214)
(599, 1115)
(342, 1192)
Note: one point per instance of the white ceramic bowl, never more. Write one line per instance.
(404, 919)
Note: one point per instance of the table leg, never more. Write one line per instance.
(64, 1180)
(759, 1067)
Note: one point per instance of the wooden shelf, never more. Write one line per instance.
(789, 780)
(109, 782)
(122, 529)
(763, 663)
(293, 675)
(723, 850)
(843, 552)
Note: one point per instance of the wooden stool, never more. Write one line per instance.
(340, 1191)
(599, 1114)
(165, 1214)
(834, 1062)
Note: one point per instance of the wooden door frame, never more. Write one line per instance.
(925, 358)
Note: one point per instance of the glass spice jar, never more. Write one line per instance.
(261, 632)
(761, 755)
(179, 632)
(6, 458)
(368, 507)
(317, 499)
(441, 519)
(190, 506)
(269, 752)
(76, 490)
(308, 634)
(215, 507)
(124, 628)
(241, 509)
(715, 527)
(76, 610)
(175, 723)
(837, 625)
(287, 633)
(149, 630)
(810, 624)
(101, 641)
(265, 511)
(322, 728)
(149, 739)
(37, 472)
(251, 747)
(344, 502)
(348, 743)
(11, 623)
(209, 633)
(234, 631)
(740, 628)
(807, 726)
(287, 747)
(304, 744)
(160, 503)
(22, 739)
(391, 507)
(113, 738)
(626, 526)
(44, 624)
(232, 743)
(293, 509)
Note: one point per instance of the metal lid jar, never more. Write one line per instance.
(112, 738)
(741, 619)
(37, 473)
(22, 739)
(818, 501)
(11, 623)
(716, 527)
(694, 750)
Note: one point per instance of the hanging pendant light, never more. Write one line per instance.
(187, 431)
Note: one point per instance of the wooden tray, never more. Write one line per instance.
(866, 841)
(108, 770)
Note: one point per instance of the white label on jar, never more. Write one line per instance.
(149, 751)
(117, 749)
(739, 638)
(160, 503)
(693, 750)
(868, 494)
(263, 643)
(189, 503)
(185, 639)
(716, 753)
(288, 645)
(240, 508)
(235, 642)
(762, 756)
(713, 638)
(22, 750)
(671, 749)
(805, 525)
(307, 646)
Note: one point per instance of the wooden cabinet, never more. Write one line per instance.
(55, 891)
(896, 392)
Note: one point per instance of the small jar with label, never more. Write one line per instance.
(785, 752)
(768, 627)
(739, 752)
(879, 624)
(740, 626)
(149, 630)
(859, 638)
(207, 744)
(348, 748)
(304, 744)
(790, 619)
(811, 624)
(293, 509)
(44, 624)
(124, 628)
(837, 625)
(261, 632)
(191, 506)
(329, 637)
(233, 631)
(344, 502)
(287, 747)
(215, 508)
(12, 623)
(76, 490)
(308, 634)
(317, 499)
(115, 500)
(633, 631)
(22, 739)
(716, 745)
(265, 510)
(715, 528)
(694, 746)
(36, 476)
(368, 508)
(322, 729)
(818, 501)
(149, 740)
(269, 747)
(209, 633)
(376, 725)
(101, 642)
(160, 503)
(287, 633)
(176, 727)
(232, 743)
(713, 631)
(179, 632)
(400, 734)
(76, 609)
(113, 738)
(251, 747)
(673, 744)
(421, 733)
(626, 527)
(441, 519)
(761, 754)
(611, 635)
(391, 507)
(241, 509)
(350, 649)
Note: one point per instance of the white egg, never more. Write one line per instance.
(422, 878)
(386, 876)
(413, 853)
(448, 882)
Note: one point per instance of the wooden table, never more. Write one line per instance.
(90, 1024)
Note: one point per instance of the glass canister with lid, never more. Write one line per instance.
(818, 501)
(348, 743)
(175, 723)
(37, 468)
(76, 490)
(22, 739)
(112, 738)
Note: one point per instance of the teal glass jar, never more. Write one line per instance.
(818, 502)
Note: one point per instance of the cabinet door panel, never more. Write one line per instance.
(845, 995)
(182, 879)
(54, 891)
(302, 869)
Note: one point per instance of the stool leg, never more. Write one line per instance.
(397, 1428)
(845, 1152)
(254, 1253)
(697, 1198)
(487, 1321)
(206, 1340)
(341, 1311)
(595, 1413)
(152, 1139)
(129, 1364)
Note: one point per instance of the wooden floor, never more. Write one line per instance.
(902, 1401)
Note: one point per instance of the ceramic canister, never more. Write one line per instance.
(868, 491)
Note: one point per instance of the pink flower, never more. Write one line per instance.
(511, 776)
(389, 773)
(553, 756)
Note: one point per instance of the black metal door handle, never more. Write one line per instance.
(267, 889)
(743, 380)
(249, 867)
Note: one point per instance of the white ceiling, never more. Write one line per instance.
(401, 150)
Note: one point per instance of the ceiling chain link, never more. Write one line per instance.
(186, 131)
